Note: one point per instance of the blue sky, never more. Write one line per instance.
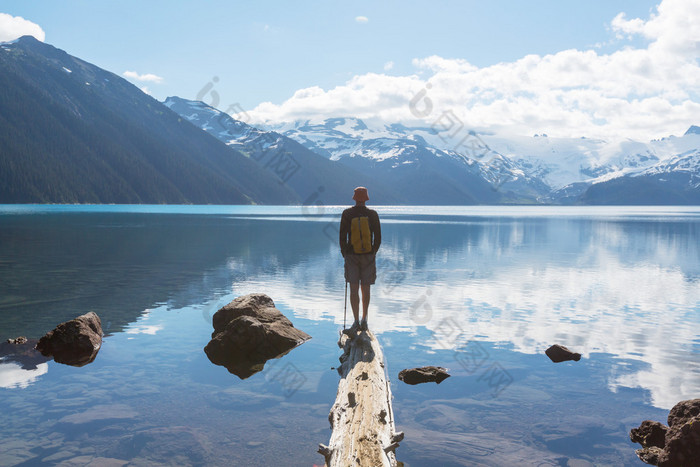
(268, 51)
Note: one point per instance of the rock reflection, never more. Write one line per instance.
(21, 364)
(248, 332)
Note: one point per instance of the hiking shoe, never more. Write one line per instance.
(363, 325)
(354, 328)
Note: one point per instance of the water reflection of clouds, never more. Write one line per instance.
(144, 329)
(620, 288)
(12, 375)
(141, 326)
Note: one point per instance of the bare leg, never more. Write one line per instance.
(355, 299)
(365, 300)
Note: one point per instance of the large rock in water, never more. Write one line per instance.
(683, 412)
(75, 342)
(680, 446)
(248, 332)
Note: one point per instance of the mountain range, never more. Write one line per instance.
(71, 132)
(316, 179)
(518, 169)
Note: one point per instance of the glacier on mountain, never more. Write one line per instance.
(536, 169)
(558, 162)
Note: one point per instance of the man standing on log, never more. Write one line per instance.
(360, 237)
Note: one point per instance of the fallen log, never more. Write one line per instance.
(362, 420)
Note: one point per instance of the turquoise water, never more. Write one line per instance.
(482, 291)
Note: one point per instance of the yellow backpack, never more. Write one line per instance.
(360, 236)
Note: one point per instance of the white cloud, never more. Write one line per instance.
(620, 24)
(145, 90)
(13, 27)
(640, 93)
(362, 19)
(674, 28)
(388, 65)
(146, 77)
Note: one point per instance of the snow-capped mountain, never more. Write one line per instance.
(562, 162)
(538, 168)
(234, 133)
(465, 165)
(342, 153)
(439, 165)
(688, 162)
(673, 181)
(313, 177)
(693, 130)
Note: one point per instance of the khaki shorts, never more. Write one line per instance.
(360, 268)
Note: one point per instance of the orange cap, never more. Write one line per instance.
(360, 194)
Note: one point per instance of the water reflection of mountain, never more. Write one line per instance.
(54, 267)
(626, 287)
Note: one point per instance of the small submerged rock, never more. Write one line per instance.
(100, 413)
(558, 353)
(168, 445)
(677, 444)
(424, 374)
(75, 342)
(248, 332)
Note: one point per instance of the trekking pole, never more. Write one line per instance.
(345, 308)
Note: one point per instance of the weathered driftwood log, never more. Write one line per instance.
(361, 418)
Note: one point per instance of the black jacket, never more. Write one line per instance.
(374, 227)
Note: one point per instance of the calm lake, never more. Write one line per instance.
(482, 291)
